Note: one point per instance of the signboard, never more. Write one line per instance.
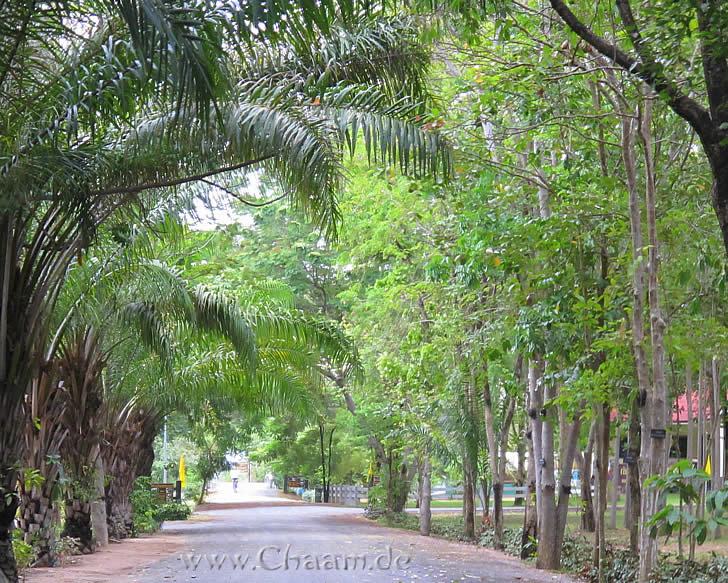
(630, 458)
(658, 433)
(293, 482)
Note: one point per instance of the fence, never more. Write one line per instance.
(348, 495)
(456, 492)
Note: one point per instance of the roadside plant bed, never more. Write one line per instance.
(445, 526)
(622, 566)
(576, 555)
(149, 512)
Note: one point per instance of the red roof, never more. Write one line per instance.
(680, 408)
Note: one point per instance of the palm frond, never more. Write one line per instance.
(214, 312)
(152, 328)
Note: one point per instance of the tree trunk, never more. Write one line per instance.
(323, 462)
(549, 553)
(530, 514)
(587, 501)
(8, 507)
(602, 464)
(534, 412)
(570, 438)
(615, 481)
(327, 490)
(38, 519)
(120, 519)
(78, 524)
(399, 476)
(521, 469)
(716, 477)
(98, 507)
(485, 489)
(468, 499)
(10, 453)
(426, 496)
(496, 454)
(657, 412)
(634, 490)
(645, 392)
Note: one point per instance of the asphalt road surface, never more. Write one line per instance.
(256, 536)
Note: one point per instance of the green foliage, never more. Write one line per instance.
(687, 482)
(445, 526)
(172, 511)
(512, 539)
(149, 512)
(24, 552)
(144, 503)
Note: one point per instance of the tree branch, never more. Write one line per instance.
(178, 181)
(686, 107)
(239, 198)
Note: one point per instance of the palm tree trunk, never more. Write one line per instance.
(78, 524)
(38, 518)
(10, 452)
(8, 566)
(120, 518)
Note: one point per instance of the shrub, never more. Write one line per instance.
(149, 512)
(143, 503)
(376, 499)
(171, 511)
(623, 566)
(511, 540)
(24, 552)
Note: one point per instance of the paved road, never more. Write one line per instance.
(254, 536)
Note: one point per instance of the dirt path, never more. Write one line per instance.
(123, 561)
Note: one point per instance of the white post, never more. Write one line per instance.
(164, 453)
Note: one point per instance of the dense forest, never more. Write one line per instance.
(406, 244)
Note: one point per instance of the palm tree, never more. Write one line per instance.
(81, 363)
(196, 345)
(78, 80)
(44, 434)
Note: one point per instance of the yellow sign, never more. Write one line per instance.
(182, 472)
(708, 467)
